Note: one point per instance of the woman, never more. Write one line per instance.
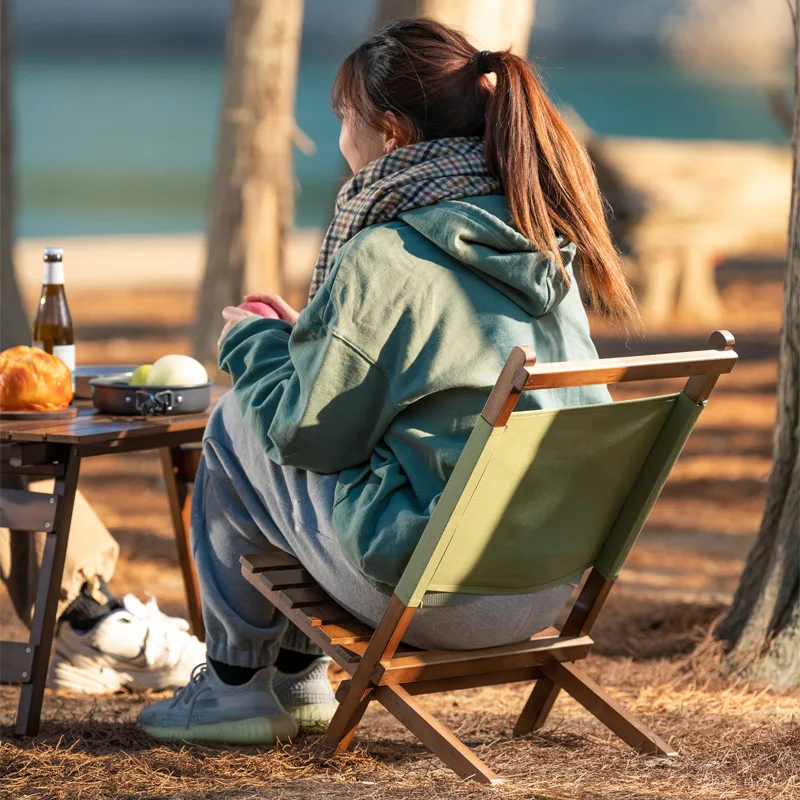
(455, 241)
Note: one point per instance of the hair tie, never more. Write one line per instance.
(482, 62)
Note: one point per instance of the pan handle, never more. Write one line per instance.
(159, 403)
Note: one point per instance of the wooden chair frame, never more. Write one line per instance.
(381, 669)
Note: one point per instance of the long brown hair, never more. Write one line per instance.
(432, 81)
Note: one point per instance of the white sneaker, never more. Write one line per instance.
(308, 695)
(136, 647)
(208, 710)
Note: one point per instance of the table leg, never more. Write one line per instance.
(48, 591)
(179, 470)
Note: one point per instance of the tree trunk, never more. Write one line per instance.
(489, 26)
(396, 9)
(252, 206)
(763, 623)
(492, 25)
(14, 328)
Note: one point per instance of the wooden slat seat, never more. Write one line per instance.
(287, 579)
(262, 562)
(300, 597)
(292, 589)
(309, 606)
(316, 616)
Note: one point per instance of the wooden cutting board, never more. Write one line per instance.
(33, 416)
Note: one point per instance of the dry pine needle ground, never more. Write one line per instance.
(735, 741)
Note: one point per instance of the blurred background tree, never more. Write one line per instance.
(492, 26)
(252, 204)
(763, 622)
(13, 321)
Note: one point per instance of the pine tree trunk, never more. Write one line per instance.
(490, 26)
(14, 328)
(252, 206)
(493, 25)
(396, 9)
(763, 623)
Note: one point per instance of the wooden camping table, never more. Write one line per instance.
(55, 449)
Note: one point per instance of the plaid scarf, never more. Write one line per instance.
(410, 177)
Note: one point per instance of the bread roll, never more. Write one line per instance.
(32, 380)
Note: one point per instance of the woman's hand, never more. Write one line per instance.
(232, 315)
(285, 311)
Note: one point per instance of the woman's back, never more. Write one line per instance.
(396, 355)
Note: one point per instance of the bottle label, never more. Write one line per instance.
(66, 352)
(53, 273)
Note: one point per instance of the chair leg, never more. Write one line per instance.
(631, 730)
(383, 644)
(537, 709)
(43, 624)
(341, 731)
(440, 741)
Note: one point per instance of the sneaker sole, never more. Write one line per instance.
(66, 677)
(313, 717)
(260, 730)
(91, 679)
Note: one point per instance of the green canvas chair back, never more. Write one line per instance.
(538, 497)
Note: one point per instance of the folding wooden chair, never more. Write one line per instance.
(536, 499)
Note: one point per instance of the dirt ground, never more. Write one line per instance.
(653, 647)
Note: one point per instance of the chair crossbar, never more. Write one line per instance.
(437, 664)
(459, 682)
(622, 370)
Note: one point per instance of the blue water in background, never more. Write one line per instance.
(125, 144)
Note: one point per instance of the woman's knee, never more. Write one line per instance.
(218, 421)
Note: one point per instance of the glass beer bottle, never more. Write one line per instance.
(52, 329)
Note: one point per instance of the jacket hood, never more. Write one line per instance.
(478, 232)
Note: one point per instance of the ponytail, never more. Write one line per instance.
(433, 80)
(549, 182)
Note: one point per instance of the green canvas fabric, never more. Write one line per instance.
(537, 501)
(650, 482)
(435, 540)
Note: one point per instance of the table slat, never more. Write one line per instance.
(90, 427)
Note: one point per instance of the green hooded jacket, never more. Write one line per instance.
(386, 370)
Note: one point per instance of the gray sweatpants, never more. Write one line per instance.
(245, 503)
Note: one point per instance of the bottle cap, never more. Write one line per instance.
(53, 254)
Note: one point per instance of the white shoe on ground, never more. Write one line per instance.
(208, 710)
(136, 647)
(308, 695)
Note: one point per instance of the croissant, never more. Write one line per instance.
(32, 380)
